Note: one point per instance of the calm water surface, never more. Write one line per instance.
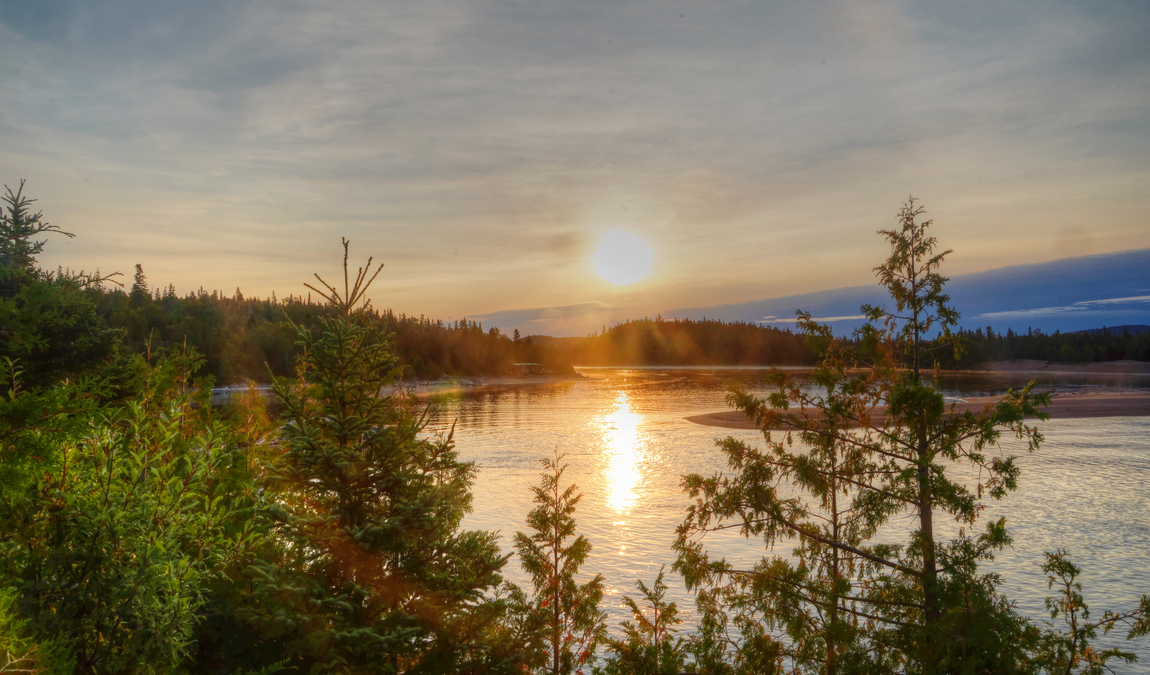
(626, 442)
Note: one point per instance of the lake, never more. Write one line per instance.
(626, 443)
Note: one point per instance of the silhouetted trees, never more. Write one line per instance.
(980, 346)
(684, 342)
(248, 338)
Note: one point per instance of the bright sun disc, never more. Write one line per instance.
(622, 258)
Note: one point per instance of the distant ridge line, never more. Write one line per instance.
(1133, 329)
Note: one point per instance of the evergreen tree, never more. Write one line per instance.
(48, 327)
(18, 227)
(573, 624)
(878, 442)
(648, 646)
(1070, 651)
(374, 573)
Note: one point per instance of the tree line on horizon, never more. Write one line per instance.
(252, 339)
(981, 346)
(687, 342)
(144, 531)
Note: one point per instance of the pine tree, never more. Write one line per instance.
(375, 574)
(569, 611)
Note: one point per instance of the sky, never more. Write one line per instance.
(482, 149)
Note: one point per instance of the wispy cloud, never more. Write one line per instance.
(481, 148)
(520, 317)
(1116, 301)
(1082, 306)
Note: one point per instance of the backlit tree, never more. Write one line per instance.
(869, 441)
(572, 623)
(374, 573)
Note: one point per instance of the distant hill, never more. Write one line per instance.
(1071, 294)
(1117, 330)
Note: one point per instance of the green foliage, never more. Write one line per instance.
(18, 227)
(573, 624)
(372, 572)
(254, 339)
(36, 424)
(911, 277)
(1068, 649)
(111, 547)
(19, 653)
(649, 646)
(1108, 344)
(47, 325)
(52, 329)
(876, 443)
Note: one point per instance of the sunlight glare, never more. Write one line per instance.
(624, 446)
(622, 258)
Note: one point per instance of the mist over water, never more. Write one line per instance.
(627, 444)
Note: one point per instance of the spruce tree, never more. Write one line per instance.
(18, 227)
(49, 328)
(373, 572)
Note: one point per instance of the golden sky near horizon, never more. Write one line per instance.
(483, 150)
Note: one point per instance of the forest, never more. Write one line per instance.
(145, 531)
(250, 339)
(1104, 344)
(244, 339)
(675, 342)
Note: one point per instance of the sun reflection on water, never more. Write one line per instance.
(624, 452)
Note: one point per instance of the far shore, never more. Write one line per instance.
(1036, 366)
(1104, 402)
(1022, 366)
(443, 386)
(456, 385)
(474, 384)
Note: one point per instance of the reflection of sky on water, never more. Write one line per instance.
(627, 445)
(624, 450)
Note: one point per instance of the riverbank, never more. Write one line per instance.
(444, 386)
(1063, 405)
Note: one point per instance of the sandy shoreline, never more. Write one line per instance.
(1063, 405)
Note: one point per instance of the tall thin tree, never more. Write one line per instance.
(552, 555)
(874, 440)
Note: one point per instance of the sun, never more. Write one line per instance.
(622, 258)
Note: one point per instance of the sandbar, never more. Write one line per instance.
(1063, 405)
